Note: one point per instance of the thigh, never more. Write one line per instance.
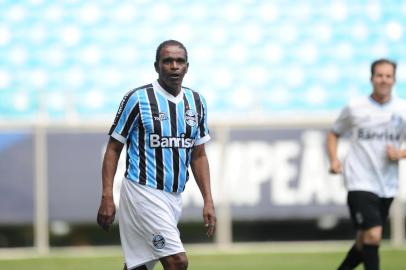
(365, 209)
(385, 204)
(148, 230)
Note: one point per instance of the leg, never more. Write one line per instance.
(354, 255)
(372, 236)
(371, 241)
(368, 212)
(175, 262)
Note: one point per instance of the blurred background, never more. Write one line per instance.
(274, 73)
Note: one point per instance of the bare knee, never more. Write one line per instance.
(372, 236)
(175, 262)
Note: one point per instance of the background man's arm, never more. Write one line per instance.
(395, 154)
(332, 147)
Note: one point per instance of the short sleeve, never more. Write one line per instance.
(126, 117)
(343, 123)
(203, 135)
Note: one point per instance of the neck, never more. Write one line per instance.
(380, 99)
(173, 91)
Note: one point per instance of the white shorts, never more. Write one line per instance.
(148, 221)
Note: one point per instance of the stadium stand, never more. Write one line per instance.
(75, 59)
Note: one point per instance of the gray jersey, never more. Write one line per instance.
(372, 127)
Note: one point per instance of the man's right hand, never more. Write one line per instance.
(336, 167)
(107, 212)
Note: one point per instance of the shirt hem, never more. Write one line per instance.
(203, 140)
(118, 137)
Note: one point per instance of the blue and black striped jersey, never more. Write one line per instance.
(160, 131)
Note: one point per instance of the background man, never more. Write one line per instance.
(378, 126)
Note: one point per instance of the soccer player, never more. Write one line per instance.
(377, 127)
(164, 126)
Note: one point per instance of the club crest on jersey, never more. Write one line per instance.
(158, 241)
(160, 117)
(191, 118)
(396, 119)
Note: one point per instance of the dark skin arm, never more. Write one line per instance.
(107, 209)
(201, 172)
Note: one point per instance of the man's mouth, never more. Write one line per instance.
(174, 76)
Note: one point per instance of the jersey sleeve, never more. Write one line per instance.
(343, 123)
(126, 117)
(203, 135)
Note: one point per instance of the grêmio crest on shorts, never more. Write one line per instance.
(160, 131)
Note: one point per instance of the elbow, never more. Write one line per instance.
(331, 134)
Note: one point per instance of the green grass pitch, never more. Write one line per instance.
(391, 259)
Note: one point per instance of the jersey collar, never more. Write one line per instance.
(374, 102)
(166, 94)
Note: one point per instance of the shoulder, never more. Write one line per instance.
(359, 102)
(399, 103)
(354, 107)
(352, 104)
(195, 94)
(189, 90)
(133, 93)
(141, 88)
(399, 107)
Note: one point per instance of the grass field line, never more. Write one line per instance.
(195, 249)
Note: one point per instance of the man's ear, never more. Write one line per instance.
(187, 67)
(156, 67)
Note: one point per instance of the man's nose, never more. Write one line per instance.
(174, 65)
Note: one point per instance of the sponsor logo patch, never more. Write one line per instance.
(367, 134)
(158, 141)
(396, 119)
(160, 117)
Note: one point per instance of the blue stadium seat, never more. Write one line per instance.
(249, 56)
